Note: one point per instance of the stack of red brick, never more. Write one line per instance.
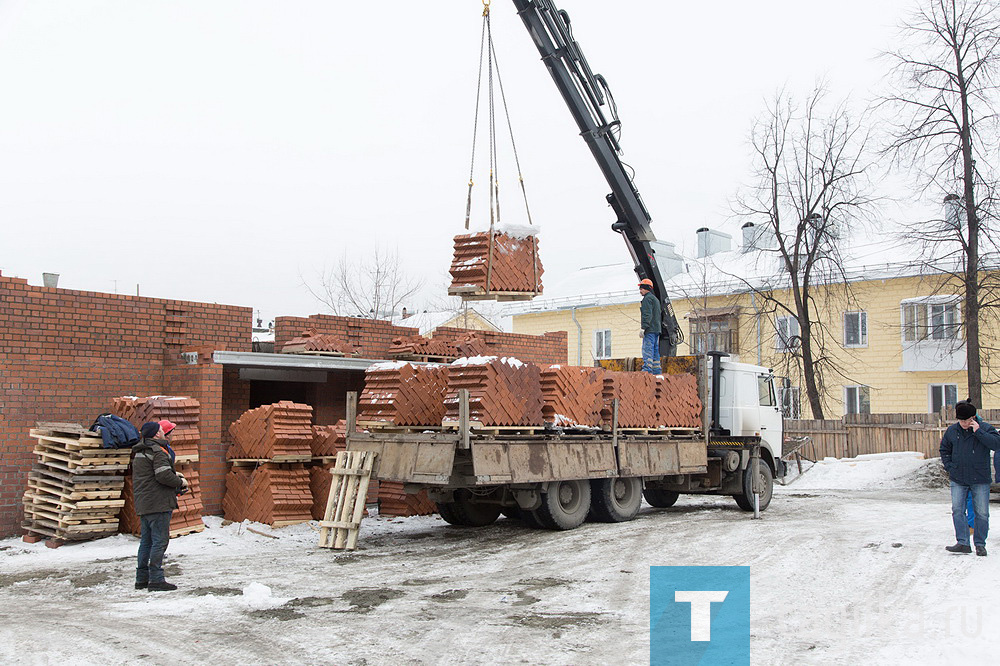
(513, 267)
(574, 396)
(402, 394)
(636, 394)
(502, 391)
(310, 341)
(677, 401)
(469, 344)
(274, 494)
(185, 440)
(280, 431)
(392, 501)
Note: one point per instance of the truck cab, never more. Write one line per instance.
(748, 406)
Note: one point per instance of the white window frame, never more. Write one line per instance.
(942, 390)
(860, 323)
(785, 339)
(791, 404)
(859, 402)
(602, 343)
(935, 319)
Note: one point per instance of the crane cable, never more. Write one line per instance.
(487, 49)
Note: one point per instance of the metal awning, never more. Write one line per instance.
(290, 367)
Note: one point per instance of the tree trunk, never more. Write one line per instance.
(809, 369)
(971, 314)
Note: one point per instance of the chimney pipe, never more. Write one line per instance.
(50, 280)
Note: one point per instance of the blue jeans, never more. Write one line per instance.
(153, 541)
(651, 353)
(970, 511)
(981, 501)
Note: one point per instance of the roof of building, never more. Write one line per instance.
(428, 321)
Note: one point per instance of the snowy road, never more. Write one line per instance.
(838, 577)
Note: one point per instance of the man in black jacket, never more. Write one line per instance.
(965, 453)
(155, 486)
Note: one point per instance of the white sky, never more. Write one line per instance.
(217, 151)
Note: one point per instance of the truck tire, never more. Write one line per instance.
(472, 513)
(566, 506)
(447, 512)
(615, 500)
(745, 499)
(661, 499)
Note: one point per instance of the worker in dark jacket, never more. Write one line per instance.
(649, 317)
(155, 486)
(965, 453)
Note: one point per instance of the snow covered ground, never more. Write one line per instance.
(848, 567)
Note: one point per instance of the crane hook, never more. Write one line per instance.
(486, 7)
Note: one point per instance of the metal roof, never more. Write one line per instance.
(292, 361)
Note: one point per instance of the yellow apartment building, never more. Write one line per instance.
(893, 330)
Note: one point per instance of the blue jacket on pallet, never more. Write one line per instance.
(966, 454)
(116, 432)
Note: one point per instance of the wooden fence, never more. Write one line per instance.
(857, 434)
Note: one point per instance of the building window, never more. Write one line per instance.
(856, 400)
(790, 408)
(602, 343)
(930, 321)
(715, 332)
(855, 329)
(943, 395)
(787, 329)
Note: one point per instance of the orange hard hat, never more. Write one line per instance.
(647, 283)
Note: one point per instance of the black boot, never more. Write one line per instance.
(981, 551)
(166, 587)
(141, 586)
(957, 548)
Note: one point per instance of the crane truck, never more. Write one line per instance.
(557, 479)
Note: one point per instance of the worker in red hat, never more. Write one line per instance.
(649, 321)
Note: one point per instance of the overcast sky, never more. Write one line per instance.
(223, 151)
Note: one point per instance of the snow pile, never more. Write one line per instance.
(874, 471)
(520, 231)
(388, 365)
(472, 360)
(257, 596)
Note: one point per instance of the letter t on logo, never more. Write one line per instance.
(701, 610)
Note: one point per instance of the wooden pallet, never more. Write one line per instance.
(478, 427)
(424, 358)
(480, 294)
(383, 426)
(281, 459)
(345, 505)
(193, 529)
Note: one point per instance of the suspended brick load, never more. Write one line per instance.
(272, 494)
(513, 267)
(392, 501)
(677, 401)
(402, 394)
(573, 395)
(637, 401)
(310, 341)
(273, 432)
(502, 391)
(319, 485)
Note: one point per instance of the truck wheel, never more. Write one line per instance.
(615, 500)
(566, 506)
(472, 513)
(447, 512)
(745, 499)
(659, 498)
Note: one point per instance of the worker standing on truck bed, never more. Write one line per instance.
(965, 453)
(649, 314)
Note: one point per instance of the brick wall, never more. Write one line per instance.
(371, 337)
(65, 354)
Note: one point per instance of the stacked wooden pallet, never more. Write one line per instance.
(273, 493)
(75, 486)
(677, 401)
(281, 432)
(637, 400)
(318, 343)
(573, 395)
(392, 501)
(184, 439)
(402, 394)
(502, 391)
(511, 266)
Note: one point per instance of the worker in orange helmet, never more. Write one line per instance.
(649, 317)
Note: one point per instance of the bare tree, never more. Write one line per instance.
(375, 287)
(812, 188)
(944, 80)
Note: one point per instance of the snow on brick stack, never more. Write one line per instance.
(677, 401)
(272, 494)
(310, 341)
(392, 501)
(573, 395)
(402, 394)
(282, 431)
(636, 393)
(502, 391)
(515, 263)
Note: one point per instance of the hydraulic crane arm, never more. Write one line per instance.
(586, 95)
